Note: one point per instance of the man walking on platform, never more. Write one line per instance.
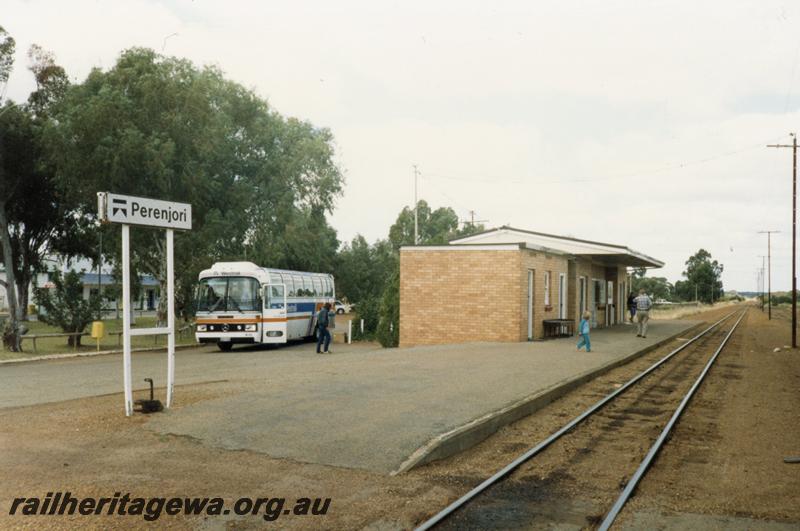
(643, 305)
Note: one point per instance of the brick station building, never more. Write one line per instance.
(502, 284)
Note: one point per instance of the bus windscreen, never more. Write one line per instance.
(226, 294)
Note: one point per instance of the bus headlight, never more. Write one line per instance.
(202, 328)
(250, 327)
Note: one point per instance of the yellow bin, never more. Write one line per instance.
(98, 331)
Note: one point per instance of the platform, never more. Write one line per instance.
(389, 410)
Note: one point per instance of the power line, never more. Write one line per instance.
(452, 201)
(642, 173)
(791, 79)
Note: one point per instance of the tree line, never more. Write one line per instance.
(261, 185)
(702, 281)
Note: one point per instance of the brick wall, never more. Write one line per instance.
(457, 296)
(540, 263)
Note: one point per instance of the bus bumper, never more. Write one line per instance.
(237, 340)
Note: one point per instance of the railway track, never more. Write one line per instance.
(616, 426)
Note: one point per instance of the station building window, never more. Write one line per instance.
(547, 288)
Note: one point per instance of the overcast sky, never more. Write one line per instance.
(642, 123)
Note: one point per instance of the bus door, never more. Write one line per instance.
(274, 321)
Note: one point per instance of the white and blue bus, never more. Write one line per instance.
(242, 303)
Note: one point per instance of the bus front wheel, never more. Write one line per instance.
(225, 347)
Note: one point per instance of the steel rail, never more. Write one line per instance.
(645, 464)
(500, 474)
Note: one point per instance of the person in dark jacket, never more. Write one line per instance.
(632, 305)
(323, 320)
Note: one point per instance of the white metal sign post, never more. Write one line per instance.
(130, 210)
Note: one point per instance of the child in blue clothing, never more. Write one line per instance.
(583, 331)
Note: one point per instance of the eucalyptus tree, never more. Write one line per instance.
(8, 183)
(34, 221)
(161, 127)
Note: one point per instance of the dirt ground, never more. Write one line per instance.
(726, 455)
(725, 458)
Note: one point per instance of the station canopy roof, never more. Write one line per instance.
(606, 253)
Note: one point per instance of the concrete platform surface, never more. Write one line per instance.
(389, 409)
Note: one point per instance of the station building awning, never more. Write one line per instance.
(606, 253)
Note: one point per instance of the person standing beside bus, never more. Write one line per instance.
(323, 320)
(643, 305)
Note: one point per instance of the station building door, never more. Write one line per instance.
(531, 302)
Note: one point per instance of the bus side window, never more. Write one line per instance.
(308, 285)
(332, 288)
(298, 285)
(318, 292)
(326, 286)
(279, 278)
(276, 297)
(287, 279)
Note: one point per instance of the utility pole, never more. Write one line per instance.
(416, 201)
(761, 281)
(769, 234)
(758, 283)
(794, 234)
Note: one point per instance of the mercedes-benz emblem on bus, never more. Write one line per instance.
(225, 327)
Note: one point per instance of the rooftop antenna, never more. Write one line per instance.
(416, 204)
(472, 221)
(164, 45)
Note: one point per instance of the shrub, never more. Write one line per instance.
(369, 311)
(389, 323)
(64, 305)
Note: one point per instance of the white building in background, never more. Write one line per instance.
(39, 280)
(148, 296)
(92, 283)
